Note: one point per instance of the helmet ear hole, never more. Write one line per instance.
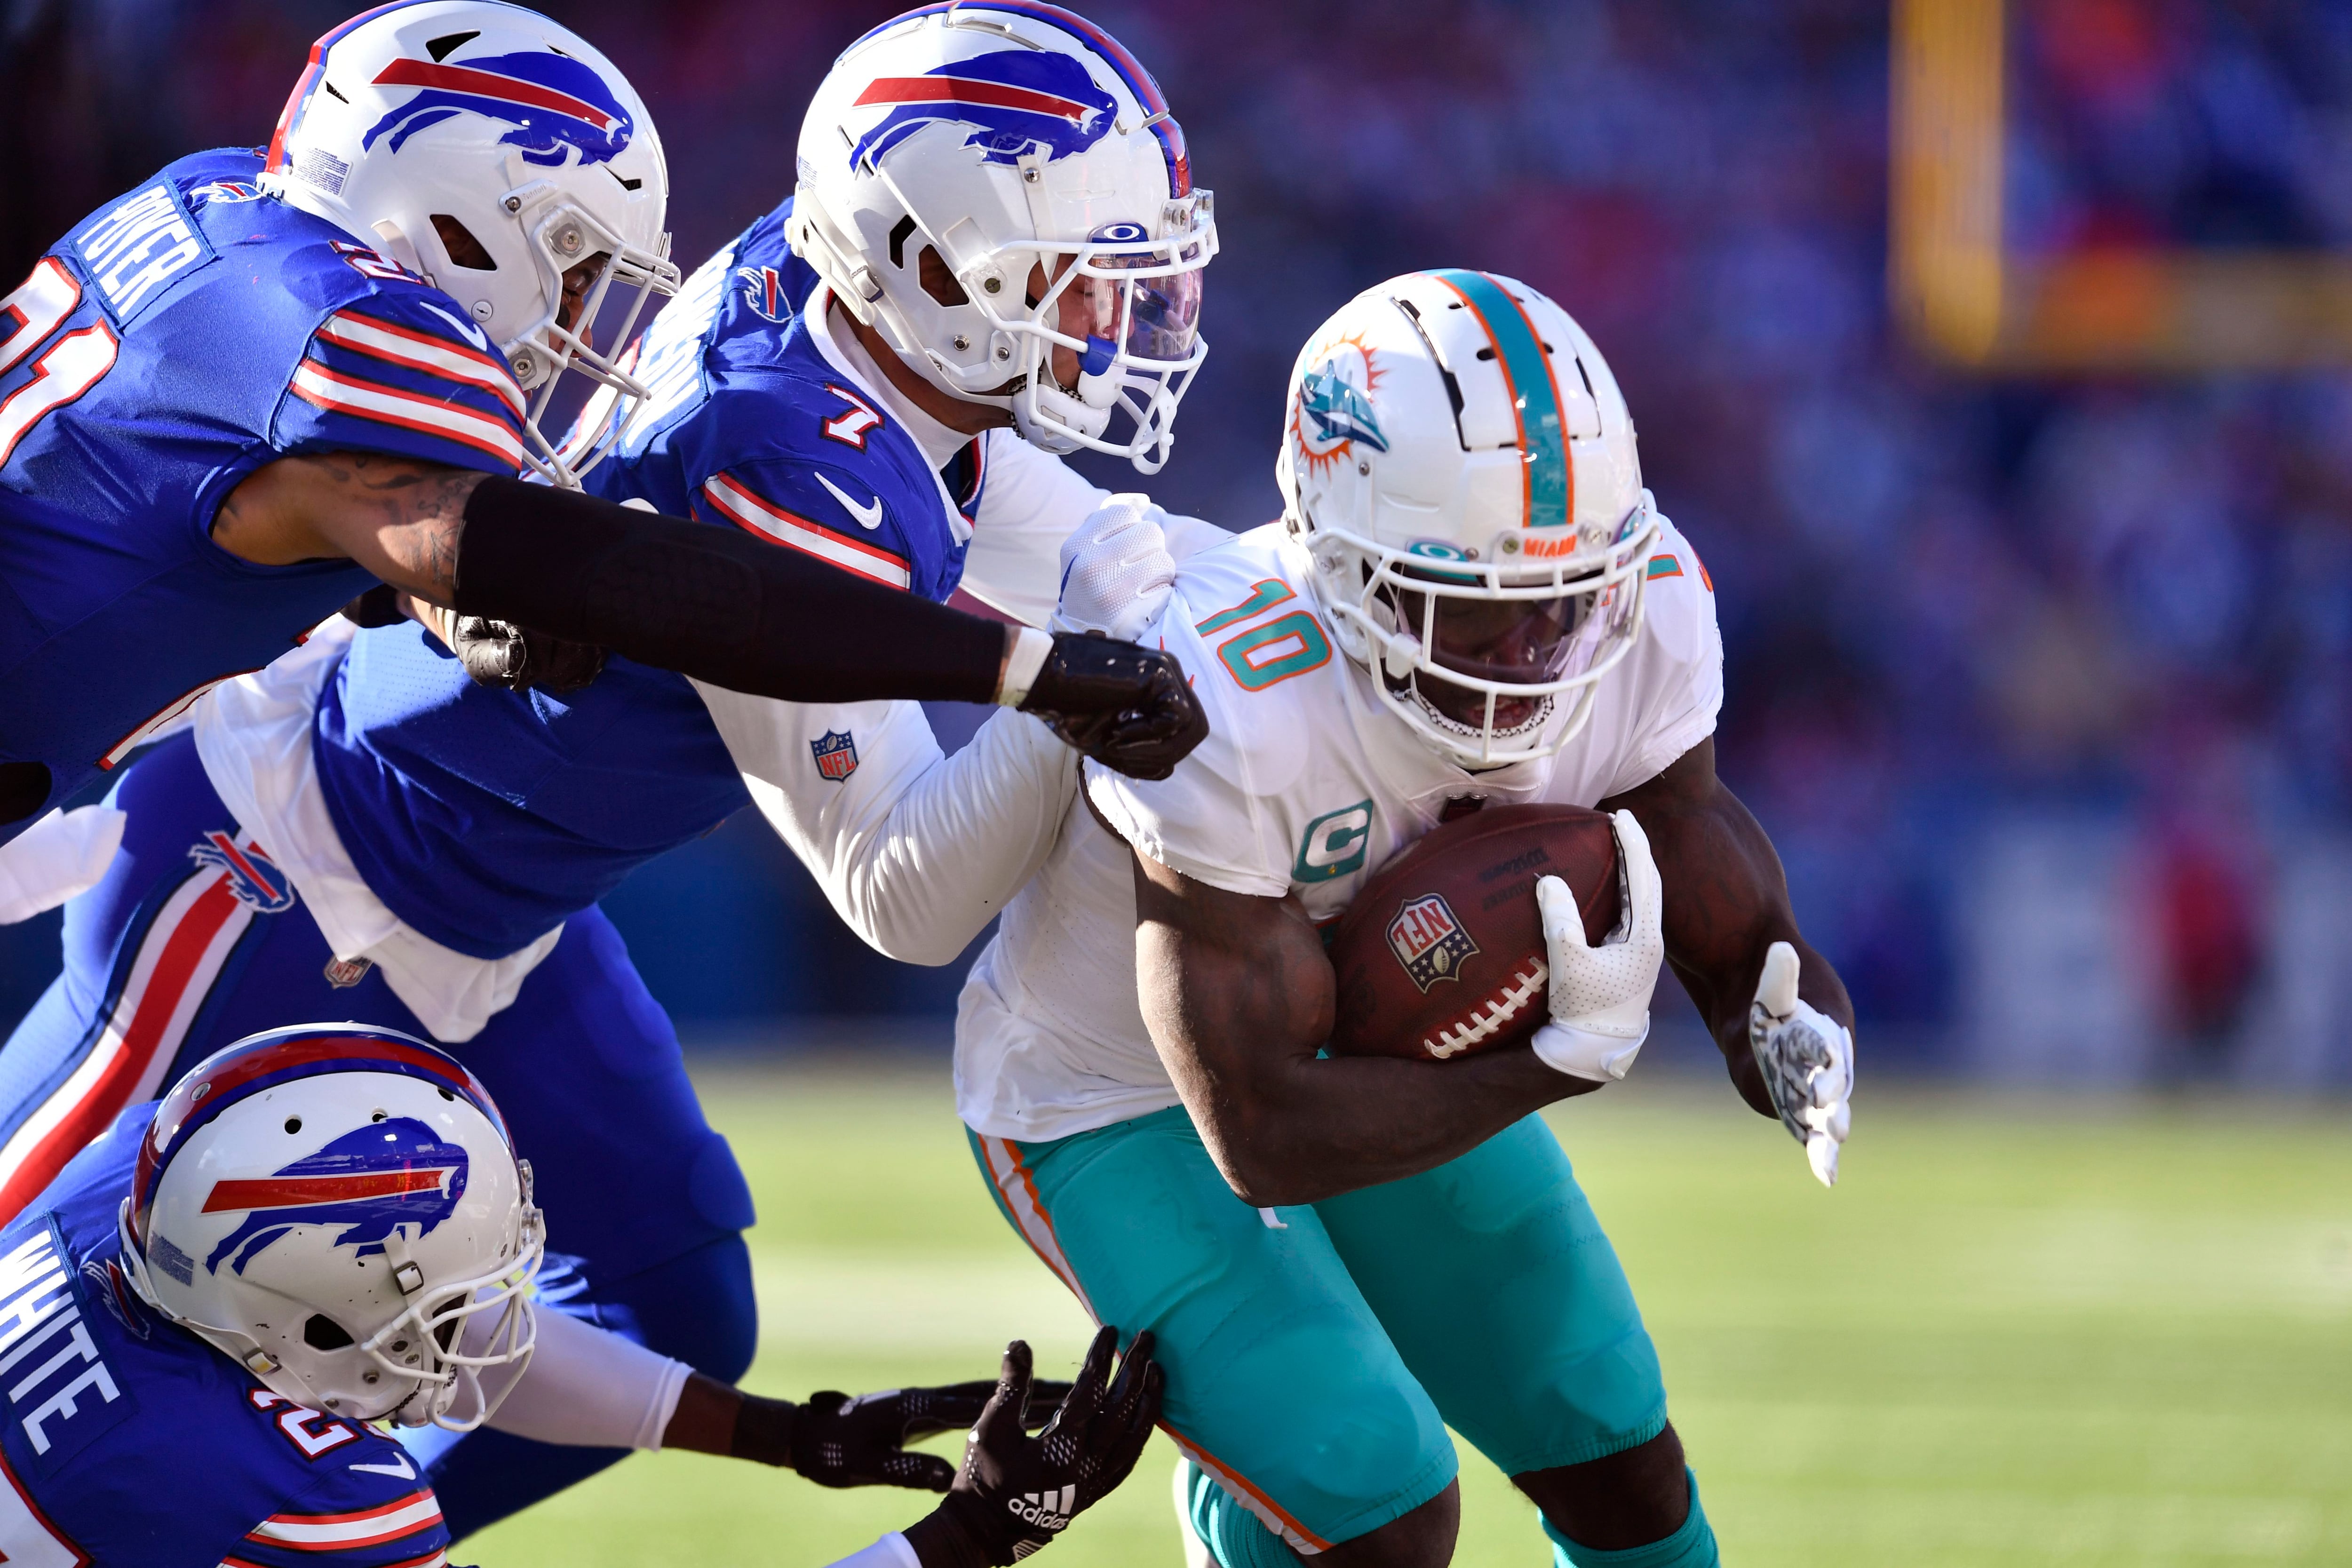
(937, 281)
(463, 249)
(324, 1333)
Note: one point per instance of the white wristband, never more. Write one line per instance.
(1579, 1053)
(1020, 666)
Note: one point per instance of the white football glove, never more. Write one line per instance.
(1116, 570)
(1601, 995)
(1808, 1062)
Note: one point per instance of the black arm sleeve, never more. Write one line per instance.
(712, 603)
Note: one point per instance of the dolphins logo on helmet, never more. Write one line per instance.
(1016, 101)
(551, 101)
(1334, 409)
(374, 1180)
(1339, 412)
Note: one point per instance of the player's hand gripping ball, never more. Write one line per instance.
(1444, 955)
(1807, 1057)
(1601, 995)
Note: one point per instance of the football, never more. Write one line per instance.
(1442, 955)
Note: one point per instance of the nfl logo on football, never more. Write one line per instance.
(835, 752)
(1429, 941)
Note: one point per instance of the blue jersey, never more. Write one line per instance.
(746, 424)
(170, 345)
(484, 818)
(130, 1441)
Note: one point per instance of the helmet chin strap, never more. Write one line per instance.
(1046, 416)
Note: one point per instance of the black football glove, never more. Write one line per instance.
(1016, 1493)
(1128, 707)
(836, 1440)
(500, 653)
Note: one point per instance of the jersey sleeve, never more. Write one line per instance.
(352, 1517)
(864, 520)
(400, 371)
(915, 851)
(1676, 672)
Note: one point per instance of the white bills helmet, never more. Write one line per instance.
(440, 122)
(1460, 467)
(337, 1209)
(999, 190)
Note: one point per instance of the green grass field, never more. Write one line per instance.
(2016, 1334)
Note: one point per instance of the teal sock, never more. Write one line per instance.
(1233, 1534)
(1692, 1546)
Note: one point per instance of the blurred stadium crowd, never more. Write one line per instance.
(2109, 620)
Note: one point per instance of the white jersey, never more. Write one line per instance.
(1306, 786)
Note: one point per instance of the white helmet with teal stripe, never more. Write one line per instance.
(1460, 467)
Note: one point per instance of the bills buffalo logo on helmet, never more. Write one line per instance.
(1017, 101)
(373, 1181)
(254, 877)
(552, 102)
(835, 752)
(1429, 941)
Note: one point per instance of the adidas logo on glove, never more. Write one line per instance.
(1046, 1511)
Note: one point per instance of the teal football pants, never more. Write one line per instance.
(1316, 1357)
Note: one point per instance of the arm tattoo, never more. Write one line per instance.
(421, 510)
(397, 516)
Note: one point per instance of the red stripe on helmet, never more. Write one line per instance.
(201, 1094)
(1138, 81)
(970, 89)
(1130, 70)
(490, 84)
(294, 1192)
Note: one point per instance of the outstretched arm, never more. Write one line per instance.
(1014, 1493)
(1239, 997)
(398, 517)
(1727, 904)
(707, 602)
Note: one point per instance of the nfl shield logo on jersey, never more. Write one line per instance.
(1429, 941)
(253, 877)
(836, 754)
